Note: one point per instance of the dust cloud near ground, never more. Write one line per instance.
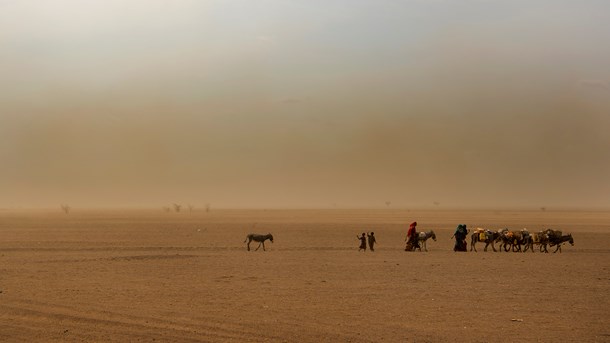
(299, 103)
(150, 275)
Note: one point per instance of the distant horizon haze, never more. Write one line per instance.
(305, 104)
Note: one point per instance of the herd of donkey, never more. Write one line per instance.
(518, 241)
(508, 240)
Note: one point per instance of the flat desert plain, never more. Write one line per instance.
(148, 275)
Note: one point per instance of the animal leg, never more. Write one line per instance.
(263, 243)
(249, 245)
(259, 245)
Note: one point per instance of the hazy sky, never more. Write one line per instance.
(311, 103)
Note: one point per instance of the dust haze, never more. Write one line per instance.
(305, 103)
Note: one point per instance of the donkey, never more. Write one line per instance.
(520, 237)
(484, 236)
(258, 238)
(512, 240)
(559, 241)
(547, 237)
(540, 238)
(423, 237)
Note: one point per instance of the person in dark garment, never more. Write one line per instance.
(372, 241)
(362, 242)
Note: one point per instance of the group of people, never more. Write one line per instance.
(371, 238)
(412, 238)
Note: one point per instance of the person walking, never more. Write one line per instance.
(460, 237)
(411, 238)
(372, 241)
(362, 242)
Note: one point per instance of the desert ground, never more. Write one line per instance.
(148, 275)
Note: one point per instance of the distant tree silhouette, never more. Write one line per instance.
(166, 208)
(177, 207)
(208, 207)
(387, 203)
(65, 208)
(191, 207)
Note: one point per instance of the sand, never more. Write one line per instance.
(147, 275)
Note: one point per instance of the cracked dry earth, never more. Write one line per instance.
(147, 275)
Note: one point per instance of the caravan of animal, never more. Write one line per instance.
(509, 240)
(548, 237)
(514, 240)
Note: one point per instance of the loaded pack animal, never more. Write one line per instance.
(512, 240)
(520, 238)
(424, 236)
(547, 237)
(505, 239)
(258, 238)
(558, 241)
(540, 238)
(484, 236)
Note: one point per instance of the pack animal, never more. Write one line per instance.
(423, 237)
(548, 237)
(560, 240)
(485, 236)
(512, 240)
(258, 238)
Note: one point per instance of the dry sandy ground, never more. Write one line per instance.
(179, 277)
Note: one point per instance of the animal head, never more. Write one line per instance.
(270, 237)
(433, 235)
(571, 240)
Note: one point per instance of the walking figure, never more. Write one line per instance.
(460, 237)
(362, 242)
(412, 238)
(372, 241)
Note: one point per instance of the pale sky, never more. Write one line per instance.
(305, 103)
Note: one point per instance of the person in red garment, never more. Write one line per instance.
(412, 236)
